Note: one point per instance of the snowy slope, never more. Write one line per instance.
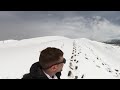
(86, 59)
(91, 59)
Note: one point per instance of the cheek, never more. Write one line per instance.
(61, 66)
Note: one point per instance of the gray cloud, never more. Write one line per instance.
(72, 24)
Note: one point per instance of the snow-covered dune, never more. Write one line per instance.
(86, 59)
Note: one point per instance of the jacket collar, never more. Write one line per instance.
(37, 72)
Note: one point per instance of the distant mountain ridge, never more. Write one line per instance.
(113, 41)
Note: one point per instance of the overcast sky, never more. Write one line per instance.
(97, 25)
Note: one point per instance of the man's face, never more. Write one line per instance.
(59, 65)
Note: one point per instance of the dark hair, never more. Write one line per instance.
(49, 56)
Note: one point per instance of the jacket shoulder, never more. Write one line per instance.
(27, 76)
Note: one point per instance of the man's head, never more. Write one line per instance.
(52, 59)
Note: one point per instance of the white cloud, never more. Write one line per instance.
(20, 25)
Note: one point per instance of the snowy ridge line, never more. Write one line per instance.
(33, 41)
(8, 41)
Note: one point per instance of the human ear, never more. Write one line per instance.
(54, 68)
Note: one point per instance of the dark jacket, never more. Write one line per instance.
(37, 73)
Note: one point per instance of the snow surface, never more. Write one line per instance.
(86, 59)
